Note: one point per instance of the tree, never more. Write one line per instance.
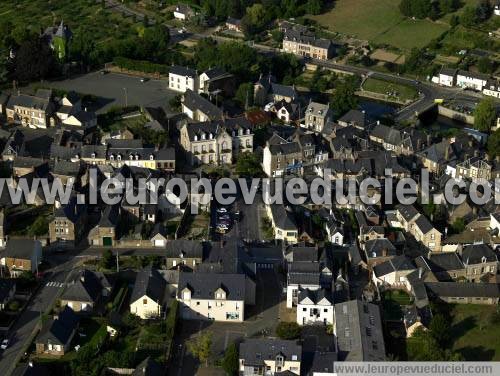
(485, 65)
(454, 20)
(344, 99)
(440, 329)
(493, 144)
(201, 347)
(458, 226)
(288, 330)
(314, 6)
(39, 227)
(107, 259)
(485, 115)
(34, 60)
(468, 16)
(248, 164)
(406, 8)
(483, 10)
(230, 362)
(244, 94)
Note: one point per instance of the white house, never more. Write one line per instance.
(301, 275)
(492, 89)
(496, 10)
(447, 77)
(495, 221)
(334, 232)
(315, 307)
(182, 78)
(148, 297)
(212, 296)
(393, 272)
(183, 12)
(470, 80)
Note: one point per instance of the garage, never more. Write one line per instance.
(107, 241)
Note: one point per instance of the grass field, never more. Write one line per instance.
(398, 91)
(473, 335)
(379, 21)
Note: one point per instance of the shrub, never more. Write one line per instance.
(288, 330)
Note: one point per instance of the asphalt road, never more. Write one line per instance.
(21, 332)
(116, 89)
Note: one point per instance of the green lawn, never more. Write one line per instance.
(380, 21)
(398, 91)
(392, 303)
(473, 333)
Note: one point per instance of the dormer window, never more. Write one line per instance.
(137, 157)
(279, 361)
(195, 137)
(483, 259)
(112, 157)
(92, 155)
(240, 132)
(248, 131)
(119, 157)
(151, 157)
(131, 157)
(210, 136)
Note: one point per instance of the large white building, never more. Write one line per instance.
(447, 77)
(182, 78)
(470, 80)
(212, 296)
(315, 307)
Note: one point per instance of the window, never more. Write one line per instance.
(144, 301)
(304, 309)
(325, 310)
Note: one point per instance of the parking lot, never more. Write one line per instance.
(114, 89)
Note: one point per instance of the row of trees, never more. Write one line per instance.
(428, 9)
(473, 15)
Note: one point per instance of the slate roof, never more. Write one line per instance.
(183, 71)
(58, 331)
(437, 152)
(66, 168)
(448, 71)
(148, 282)
(463, 290)
(355, 117)
(109, 217)
(303, 253)
(39, 101)
(188, 248)
(301, 278)
(204, 285)
(480, 76)
(307, 38)
(282, 218)
(318, 109)
(19, 248)
(285, 148)
(256, 350)
(376, 247)
(98, 150)
(71, 211)
(442, 262)
(85, 288)
(195, 102)
(397, 263)
(233, 21)
(474, 253)
(359, 331)
(424, 224)
(408, 212)
(315, 296)
(148, 367)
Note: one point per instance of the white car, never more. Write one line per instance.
(5, 344)
(221, 210)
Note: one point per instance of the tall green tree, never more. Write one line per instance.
(344, 98)
(201, 347)
(230, 362)
(485, 115)
(493, 145)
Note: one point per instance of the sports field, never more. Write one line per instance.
(380, 21)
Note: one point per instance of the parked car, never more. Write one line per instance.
(221, 210)
(5, 344)
(144, 79)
